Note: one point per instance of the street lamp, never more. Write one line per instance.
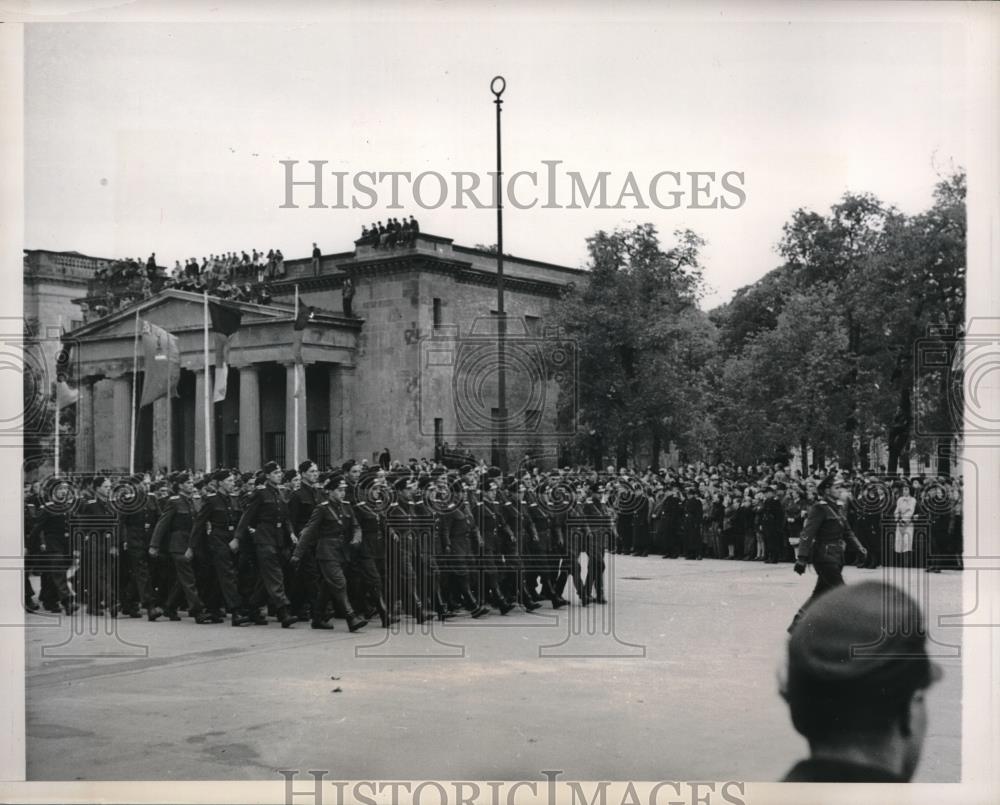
(497, 87)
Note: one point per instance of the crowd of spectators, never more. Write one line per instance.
(240, 277)
(391, 234)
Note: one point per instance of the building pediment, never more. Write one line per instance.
(176, 311)
(266, 334)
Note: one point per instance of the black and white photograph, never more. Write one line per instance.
(463, 403)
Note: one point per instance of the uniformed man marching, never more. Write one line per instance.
(824, 539)
(214, 532)
(332, 529)
(173, 530)
(267, 513)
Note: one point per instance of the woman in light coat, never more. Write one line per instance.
(905, 508)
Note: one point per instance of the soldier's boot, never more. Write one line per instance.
(550, 592)
(257, 618)
(355, 621)
(288, 620)
(417, 608)
(238, 618)
(386, 617)
(528, 600)
(441, 607)
(477, 610)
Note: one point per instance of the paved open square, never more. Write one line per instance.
(676, 678)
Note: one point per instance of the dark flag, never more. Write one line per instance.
(226, 320)
(303, 316)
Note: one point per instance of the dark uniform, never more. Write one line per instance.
(50, 531)
(772, 521)
(404, 521)
(307, 593)
(174, 529)
(329, 533)
(267, 514)
(823, 542)
(213, 529)
(456, 532)
(138, 587)
(99, 559)
(368, 558)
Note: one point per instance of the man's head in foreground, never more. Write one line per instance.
(856, 677)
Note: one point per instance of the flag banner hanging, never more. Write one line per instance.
(221, 367)
(303, 316)
(161, 360)
(226, 320)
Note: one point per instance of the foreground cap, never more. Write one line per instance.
(857, 639)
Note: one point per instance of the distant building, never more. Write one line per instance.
(412, 368)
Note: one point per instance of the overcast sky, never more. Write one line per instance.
(166, 137)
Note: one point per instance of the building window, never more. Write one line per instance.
(437, 312)
(318, 447)
(274, 447)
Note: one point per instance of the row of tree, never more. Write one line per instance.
(825, 353)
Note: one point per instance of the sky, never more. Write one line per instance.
(167, 137)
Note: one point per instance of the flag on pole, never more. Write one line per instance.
(303, 315)
(226, 320)
(65, 393)
(161, 360)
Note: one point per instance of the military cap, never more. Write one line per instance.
(200, 483)
(180, 478)
(305, 465)
(465, 469)
(221, 475)
(399, 481)
(858, 639)
(423, 481)
(491, 472)
(270, 467)
(334, 480)
(246, 477)
(346, 466)
(288, 475)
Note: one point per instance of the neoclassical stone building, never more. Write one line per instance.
(413, 366)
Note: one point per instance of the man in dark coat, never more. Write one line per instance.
(307, 594)
(823, 542)
(214, 536)
(173, 532)
(330, 531)
(268, 515)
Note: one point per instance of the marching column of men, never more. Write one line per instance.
(309, 546)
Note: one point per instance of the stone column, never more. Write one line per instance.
(161, 435)
(336, 409)
(203, 429)
(341, 419)
(293, 457)
(121, 413)
(249, 442)
(85, 426)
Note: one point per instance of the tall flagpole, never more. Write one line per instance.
(135, 383)
(170, 419)
(295, 398)
(57, 405)
(208, 407)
